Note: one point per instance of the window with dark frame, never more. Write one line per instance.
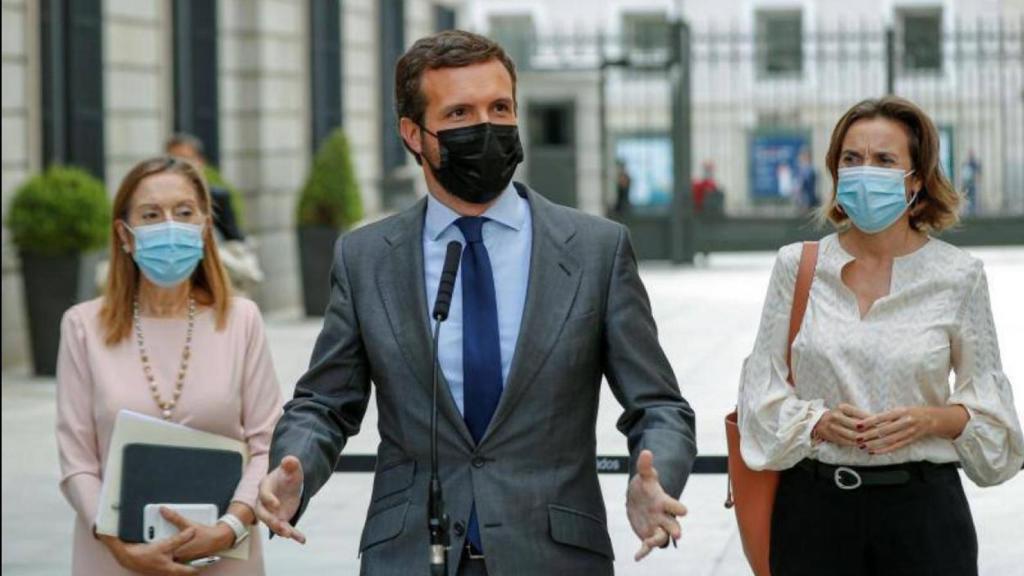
(196, 94)
(645, 32)
(922, 39)
(325, 68)
(778, 36)
(444, 18)
(71, 42)
(515, 33)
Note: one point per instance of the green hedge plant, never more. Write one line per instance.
(331, 194)
(62, 211)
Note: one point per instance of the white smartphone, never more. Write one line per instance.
(204, 562)
(156, 527)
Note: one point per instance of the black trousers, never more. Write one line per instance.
(921, 528)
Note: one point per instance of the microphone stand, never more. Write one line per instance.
(437, 517)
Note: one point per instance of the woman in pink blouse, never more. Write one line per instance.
(167, 339)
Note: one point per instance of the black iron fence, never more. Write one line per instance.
(605, 464)
(761, 102)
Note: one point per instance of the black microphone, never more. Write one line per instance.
(437, 520)
(447, 284)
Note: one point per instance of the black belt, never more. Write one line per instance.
(854, 477)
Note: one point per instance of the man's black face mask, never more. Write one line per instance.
(477, 162)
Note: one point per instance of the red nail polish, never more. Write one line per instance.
(863, 446)
(860, 426)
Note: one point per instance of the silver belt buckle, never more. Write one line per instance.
(843, 485)
(471, 555)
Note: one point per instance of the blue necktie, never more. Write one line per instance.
(481, 347)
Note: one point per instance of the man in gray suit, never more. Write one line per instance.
(548, 300)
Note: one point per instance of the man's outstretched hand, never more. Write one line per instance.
(280, 497)
(652, 513)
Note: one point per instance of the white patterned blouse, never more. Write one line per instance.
(936, 319)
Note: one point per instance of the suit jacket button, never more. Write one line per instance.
(478, 462)
(460, 529)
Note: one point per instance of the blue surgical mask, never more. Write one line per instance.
(874, 198)
(168, 252)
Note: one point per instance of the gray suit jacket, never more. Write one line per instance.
(533, 475)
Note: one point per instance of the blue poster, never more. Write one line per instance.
(647, 161)
(773, 164)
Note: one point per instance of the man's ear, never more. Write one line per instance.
(410, 132)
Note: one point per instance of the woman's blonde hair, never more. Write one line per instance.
(937, 206)
(210, 283)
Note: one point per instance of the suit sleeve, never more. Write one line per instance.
(331, 397)
(655, 416)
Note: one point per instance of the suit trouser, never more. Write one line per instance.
(923, 527)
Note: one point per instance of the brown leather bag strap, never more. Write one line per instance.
(801, 293)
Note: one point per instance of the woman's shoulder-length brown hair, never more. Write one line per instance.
(937, 206)
(210, 284)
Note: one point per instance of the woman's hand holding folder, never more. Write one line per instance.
(208, 539)
(154, 558)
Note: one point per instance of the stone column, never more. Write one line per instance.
(265, 129)
(21, 156)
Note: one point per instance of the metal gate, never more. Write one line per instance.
(717, 136)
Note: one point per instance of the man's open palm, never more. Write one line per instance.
(652, 513)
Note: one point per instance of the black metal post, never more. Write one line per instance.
(890, 60)
(52, 48)
(602, 114)
(681, 220)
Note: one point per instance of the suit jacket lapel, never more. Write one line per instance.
(406, 304)
(553, 283)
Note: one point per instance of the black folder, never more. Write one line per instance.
(156, 474)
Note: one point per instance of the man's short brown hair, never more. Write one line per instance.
(448, 49)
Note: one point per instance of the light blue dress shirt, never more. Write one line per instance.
(508, 236)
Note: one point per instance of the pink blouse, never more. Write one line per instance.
(230, 388)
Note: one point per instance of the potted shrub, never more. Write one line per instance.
(59, 220)
(329, 203)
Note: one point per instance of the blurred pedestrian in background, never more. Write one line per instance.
(706, 192)
(237, 253)
(806, 181)
(704, 185)
(623, 182)
(970, 179)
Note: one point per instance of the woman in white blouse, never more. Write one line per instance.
(869, 436)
